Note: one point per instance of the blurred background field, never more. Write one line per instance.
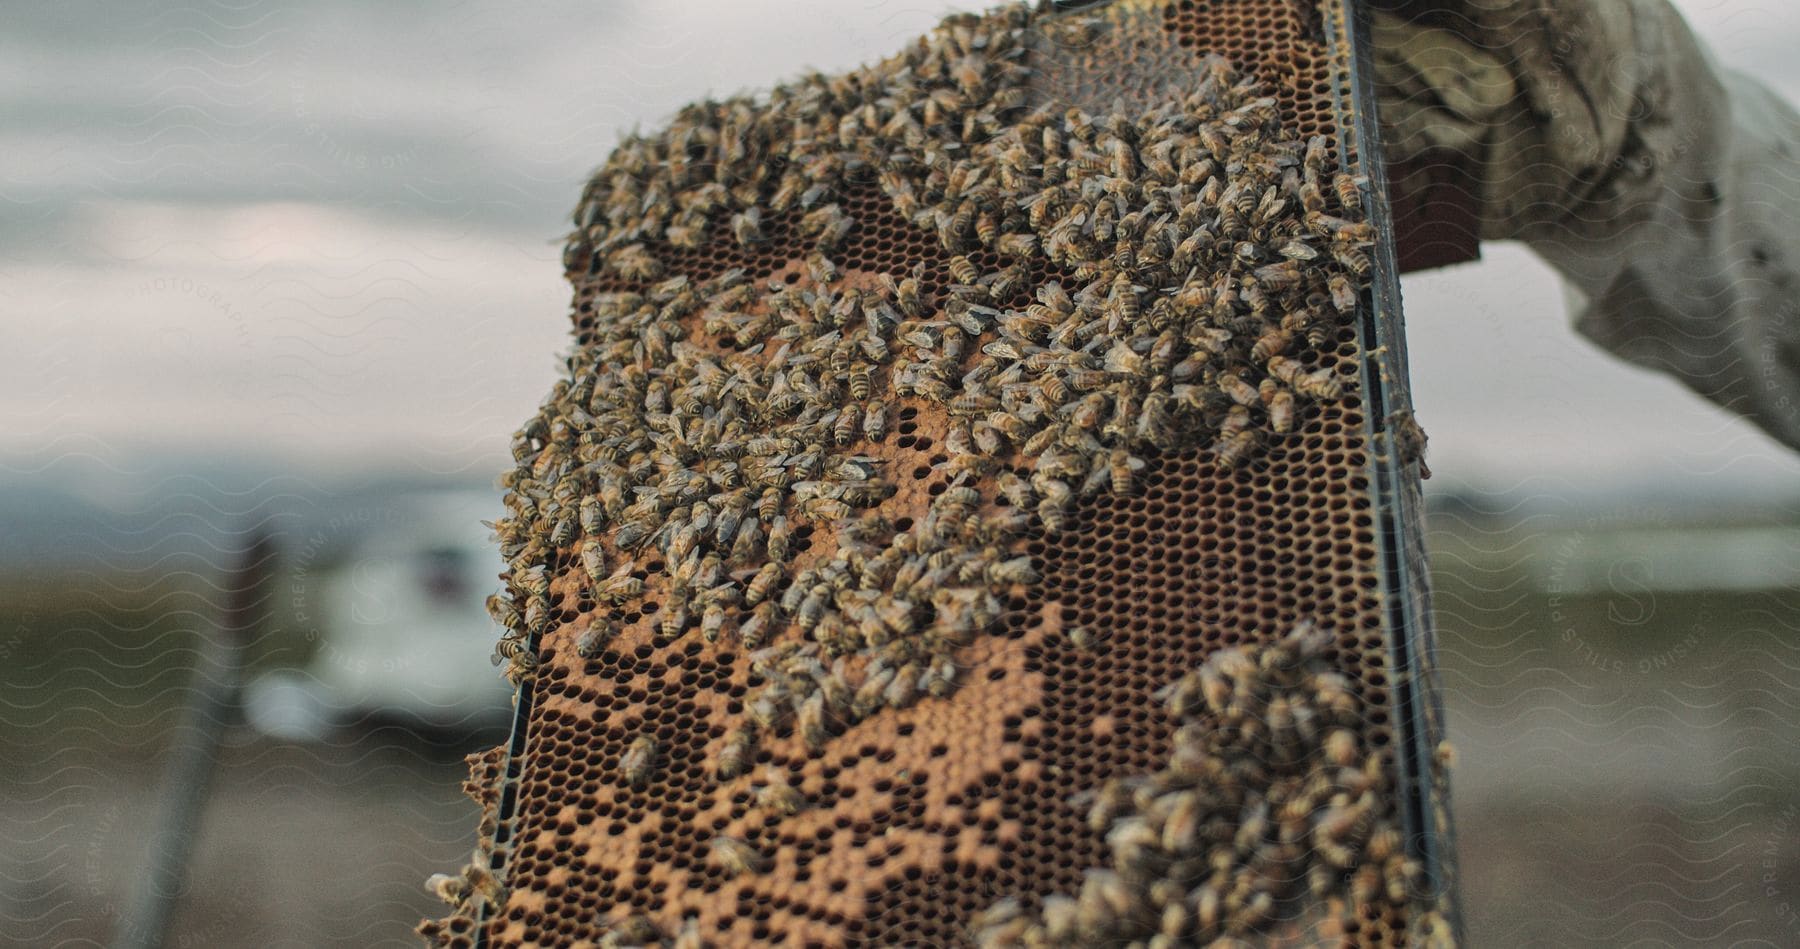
(294, 269)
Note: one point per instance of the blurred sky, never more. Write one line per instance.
(328, 234)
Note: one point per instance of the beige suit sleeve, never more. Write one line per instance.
(1665, 190)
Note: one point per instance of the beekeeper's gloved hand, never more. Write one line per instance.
(1665, 189)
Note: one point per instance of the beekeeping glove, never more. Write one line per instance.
(1664, 189)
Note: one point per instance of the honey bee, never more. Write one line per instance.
(1279, 277)
(1181, 696)
(1321, 384)
(1239, 206)
(787, 193)
(1134, 844)
(736, 857)
(518, 656)
(987, 228)
(595, 639)
(621, 586)
(1123, 360)
(829, 225)
(1154, 423)
(1343, 293)
(1235, 439)
(1122, 304)
(780, 538)
(939, 678)
(639, 761)
(902, 688)
(1002, 924)
(1074, 31)
(760, 585)
(825, 509)
(1252, 911)
(504, 612)
(1008, 281)
(1298, 249)
(1410, 438)
(797, 591)
(1016, 245)
(770, 708)
(535, 581)
(1089, 413)
(810, 722)
(736, 756)
(629, 933)
(1317, 157)
(1403, 874)
(689, 937)
(860, 382)
(963, 271)
(1052, 514)
(1312, 199)
(537, 614)
(821, 269)
(481, 881)
(1349, 190)
(1274, 342)
(1172, 925)
(1082, 638)
(908, 296)
(1237, 390)
(712, 620)
(812, 607)
(1061, 916)
(1106, 896)
(780, 797)
(450, 888)
(634, 262)
(1352, 259)
(769, 503)
(1331, 691)
(1123, 468)
(872, 693)
(1164, 350)
(848, 424)
(634, 533)
(1016, 570)
(593, 516)
(593, 561)
(1281, 410)
(674, 620)
(1365, 883)
(746, 226)
(1215, 141)
(1015, 489)
(1384, 843)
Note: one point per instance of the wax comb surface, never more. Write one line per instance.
(963, 517)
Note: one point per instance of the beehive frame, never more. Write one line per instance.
(609, 814)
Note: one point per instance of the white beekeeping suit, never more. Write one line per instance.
(1665, 189)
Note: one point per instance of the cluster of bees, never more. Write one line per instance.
(1270, 798)
(709, 422)
(713, 446)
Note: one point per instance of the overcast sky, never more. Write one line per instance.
(330, 232)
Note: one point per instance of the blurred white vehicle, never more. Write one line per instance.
(401, 627)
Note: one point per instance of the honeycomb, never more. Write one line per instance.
(826, 636)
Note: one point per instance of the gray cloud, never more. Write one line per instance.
(327, 231)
